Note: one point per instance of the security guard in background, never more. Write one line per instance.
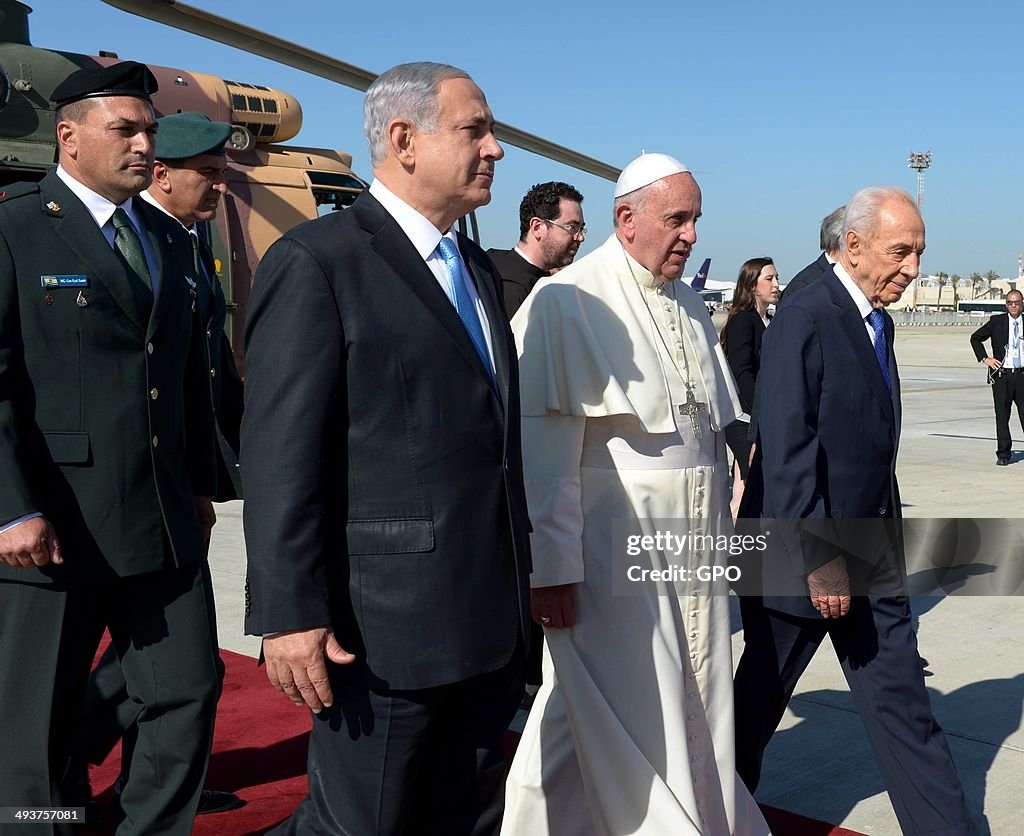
(107, 456)
(188, 181)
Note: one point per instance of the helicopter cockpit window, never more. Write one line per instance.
(334, 191)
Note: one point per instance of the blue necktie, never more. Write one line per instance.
(876, 319)
(463, 303)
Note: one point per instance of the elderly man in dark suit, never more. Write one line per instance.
(385, 515)
(1006, 368)
(829, 431)
(830, 241)
(106, 450)
(188, 181)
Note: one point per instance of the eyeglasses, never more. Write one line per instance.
(574, 229)
(1013, 302)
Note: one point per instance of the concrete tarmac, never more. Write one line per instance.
(819, 763)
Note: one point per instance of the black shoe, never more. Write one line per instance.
(76, 791)
(1003, 461)
(212, 801)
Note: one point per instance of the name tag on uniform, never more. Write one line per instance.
(78, 280)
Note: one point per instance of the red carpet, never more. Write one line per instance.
(260, 753)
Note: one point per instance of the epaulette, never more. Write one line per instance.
(18, 190)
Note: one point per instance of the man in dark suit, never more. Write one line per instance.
(188, 181)
(106, 446)
(829, 431)
(551, 229)
(385, 515)
(830, 241)
(1006, 368)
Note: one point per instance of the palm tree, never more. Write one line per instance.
(942, 283)
(975, 281)
(991, 276)
(954, 281)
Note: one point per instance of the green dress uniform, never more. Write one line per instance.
(106, 429)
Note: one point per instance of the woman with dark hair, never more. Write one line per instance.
(756, 288)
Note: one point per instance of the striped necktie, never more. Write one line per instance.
(877, 321)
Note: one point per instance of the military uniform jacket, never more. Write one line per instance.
(105, 419)
(225, 383)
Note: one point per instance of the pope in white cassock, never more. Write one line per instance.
(625, 393)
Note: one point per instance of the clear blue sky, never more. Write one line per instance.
(782, 109)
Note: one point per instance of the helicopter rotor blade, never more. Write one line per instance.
(198, 22)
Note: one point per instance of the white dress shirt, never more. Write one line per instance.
(102, 211)
(425, 237)
(859, 299)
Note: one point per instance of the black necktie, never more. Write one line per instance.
(127, 242)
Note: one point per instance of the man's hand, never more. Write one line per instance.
(552, 606)
(992, 363)
(295, 665)
(829, 586)
(30, 543)
(207, 516)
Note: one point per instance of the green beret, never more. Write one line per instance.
(128, 78)
(189, 134)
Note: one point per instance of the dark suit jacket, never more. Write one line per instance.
(98, 399)
(810, 274)
(828, 436)
(743, 341)
(382, 471)
(225, 384)
(996, 329)
(518, 277)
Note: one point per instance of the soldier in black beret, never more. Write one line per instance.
(107, 456)
(188, 181)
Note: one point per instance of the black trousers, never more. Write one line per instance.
(878, 652)
(1007, 390)
(160, 626)
(108, 714)
(406, 763)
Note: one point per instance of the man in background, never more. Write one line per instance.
(551, 229)
(1006, 368)
(188, 182)
(829, 239)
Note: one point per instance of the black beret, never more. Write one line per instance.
(189, 134)
(129, 78)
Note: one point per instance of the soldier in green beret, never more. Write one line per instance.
(188, 181)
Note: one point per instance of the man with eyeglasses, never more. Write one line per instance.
(1006, 331)
(551, 229)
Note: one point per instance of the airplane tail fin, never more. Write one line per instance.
(702, 276)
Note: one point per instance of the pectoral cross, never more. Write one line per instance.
(692, 408)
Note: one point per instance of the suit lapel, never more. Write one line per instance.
(393, 246)
(77, 228)
(167, 268)
(856, 333)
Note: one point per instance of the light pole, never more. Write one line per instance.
(920, 161)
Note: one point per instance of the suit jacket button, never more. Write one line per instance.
(156, 441)
(154, 393)
(149, 348)
(881, 512)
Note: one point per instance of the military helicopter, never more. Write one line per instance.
(272, 187)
